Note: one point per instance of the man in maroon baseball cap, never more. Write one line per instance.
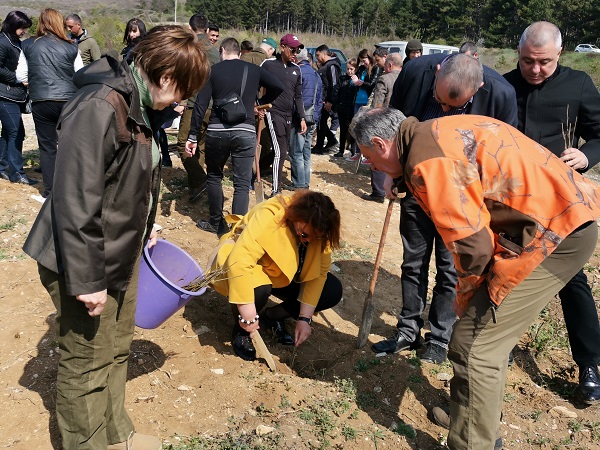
(291, 40)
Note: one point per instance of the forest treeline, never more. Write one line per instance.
(490, 23)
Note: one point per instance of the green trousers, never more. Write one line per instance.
(92, 371)
(480, 345)
(193, 165)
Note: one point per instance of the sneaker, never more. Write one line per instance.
(395, 344)
(138, 442)
(434, 353)
(364, 161)
(441, 417)
(196, 193)
(353, 157)
(373, 198)
(4, 176)
(24, 179)
(205, 225)
(38, 198)
(243, 347)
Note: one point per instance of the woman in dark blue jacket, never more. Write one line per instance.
(13, 96)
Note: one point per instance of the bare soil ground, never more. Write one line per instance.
(185, 382)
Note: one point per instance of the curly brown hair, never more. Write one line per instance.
(317, 210)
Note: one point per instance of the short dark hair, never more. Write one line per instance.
(382, 52)
(14, 21)
(323, 49)
(132, 24)
(213, 27)
(468, 46)
(246, 45)
(199, 23)
(230, 45)
(75, 18)
(171, 50)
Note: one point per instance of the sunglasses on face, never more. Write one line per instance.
(293, 50)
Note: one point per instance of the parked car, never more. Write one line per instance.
(428, 49)
(338, 53)
(587, 48)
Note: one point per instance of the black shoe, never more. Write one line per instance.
(24, 179)
(243, 347)
(167, 163)
(434, 353)
(205, 225)
(396, 344)
(280, 333)
(331, 144)
(373, 198)
(339, 154)
(197, 193)
(318, 150)
(38, 169)
(588, 390)
(511, 358)
(4, 176)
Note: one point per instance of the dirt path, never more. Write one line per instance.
(185, 381)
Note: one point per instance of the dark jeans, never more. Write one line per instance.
(345, 117)
(581, 320)
(330, 296)
(240, 145)
(45, 116)
(11, 140)
(324, 130)
(418, 237)
(377, 180)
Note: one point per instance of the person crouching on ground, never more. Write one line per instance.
(282, 247)
(89, 234)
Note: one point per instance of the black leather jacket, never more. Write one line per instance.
(10, 88)
(50, 61)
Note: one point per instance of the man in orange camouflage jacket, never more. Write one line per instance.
(519, 223)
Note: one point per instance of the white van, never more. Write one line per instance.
(428, 49)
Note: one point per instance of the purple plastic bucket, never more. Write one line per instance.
(163, 270)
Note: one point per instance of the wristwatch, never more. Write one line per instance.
(308, 320)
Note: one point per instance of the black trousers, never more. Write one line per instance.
(45, 116)
(330, 296)
(581, 320)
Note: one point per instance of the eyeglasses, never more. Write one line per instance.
(293, 50)
(444, 104)
(305, 236)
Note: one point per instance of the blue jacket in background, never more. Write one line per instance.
(310, 79)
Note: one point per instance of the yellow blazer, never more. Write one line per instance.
(261, 250)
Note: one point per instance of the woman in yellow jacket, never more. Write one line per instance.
(282, 247)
